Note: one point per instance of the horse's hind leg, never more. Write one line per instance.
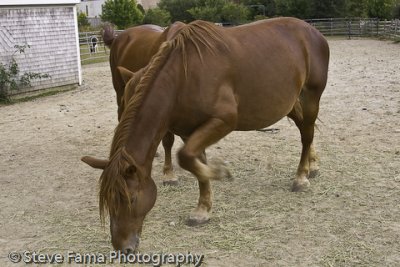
(169, 177)
(313, 160)
(304, 114)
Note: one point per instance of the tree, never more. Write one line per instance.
(234, 13)
(321, 8)
(382, 9)
(208, 10)
(141, 8)
(157, 16)
(327, 8)
(178, 9)
(294, 8)
(396, 10)
(122, 13)
(82, 21)
(356, 8)
(220, 11)
(264, 8)
(208, 13)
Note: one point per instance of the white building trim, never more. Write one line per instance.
(37, 2)
(78, 50)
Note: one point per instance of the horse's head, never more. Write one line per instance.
(126, 195)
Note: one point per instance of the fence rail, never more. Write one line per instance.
(350, 27)
(92, 51)
(357, 27)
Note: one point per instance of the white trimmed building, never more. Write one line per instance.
(50, 28)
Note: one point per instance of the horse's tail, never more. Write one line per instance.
(108, 35)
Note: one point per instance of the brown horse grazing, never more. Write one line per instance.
(201, 85)
(133, 49)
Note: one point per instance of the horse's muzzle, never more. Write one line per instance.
(130, 246)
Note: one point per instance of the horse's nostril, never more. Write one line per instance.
(137, 241)
(129, 251)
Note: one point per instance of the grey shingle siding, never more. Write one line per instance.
(50, 32)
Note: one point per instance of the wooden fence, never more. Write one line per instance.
(357, 27)
(350, 27)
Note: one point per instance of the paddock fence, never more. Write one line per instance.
(92, 52)
(92, 47)
(357, 27)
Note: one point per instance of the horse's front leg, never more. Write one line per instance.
(191, 158)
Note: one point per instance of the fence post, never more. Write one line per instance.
(377, 26)
(349, 29)
(384, 27)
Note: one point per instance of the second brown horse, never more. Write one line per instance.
(132, 49)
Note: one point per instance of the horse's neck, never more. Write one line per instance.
(150, 123)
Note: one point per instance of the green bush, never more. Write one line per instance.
(122, 13)
(178, 9)
(220, 11)
(157, 16)
(82, 20)
(208, 13)
(259, 17)
(10, 78)
(234, 13)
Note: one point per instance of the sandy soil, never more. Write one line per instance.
(350, 216)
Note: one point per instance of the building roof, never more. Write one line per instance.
(36, 2)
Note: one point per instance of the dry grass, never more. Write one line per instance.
(349, 217)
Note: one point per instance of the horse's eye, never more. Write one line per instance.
(130, 171)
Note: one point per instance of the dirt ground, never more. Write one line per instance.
(349, 217)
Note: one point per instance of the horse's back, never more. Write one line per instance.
(133, 47)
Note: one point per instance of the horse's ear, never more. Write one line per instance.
(125, 74)
(95, 163)
(174, 29)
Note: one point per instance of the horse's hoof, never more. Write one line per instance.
(220, 170)
(300, 185)
(313, 174)
(195, 221)
(223, 173)
(170, 183)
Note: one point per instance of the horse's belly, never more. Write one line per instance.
(262, 112)
(260, 119)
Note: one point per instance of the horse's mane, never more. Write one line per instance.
(131, 87)
(113, 187)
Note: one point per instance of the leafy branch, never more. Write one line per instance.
(10, 78)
